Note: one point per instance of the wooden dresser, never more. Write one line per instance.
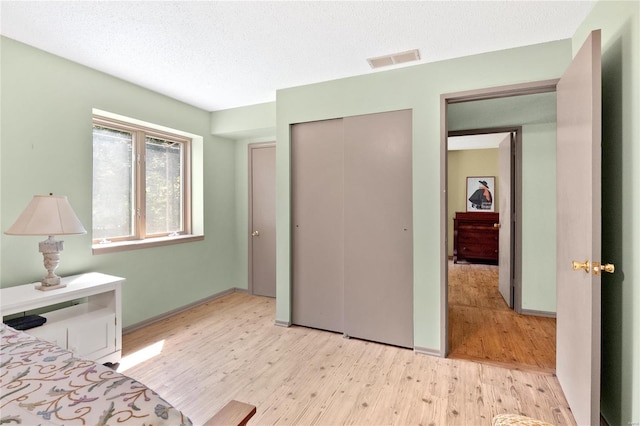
(475, 237)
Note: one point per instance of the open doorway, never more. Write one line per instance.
(486, 234)
(481, 324)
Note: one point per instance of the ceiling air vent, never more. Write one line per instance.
(394, 59)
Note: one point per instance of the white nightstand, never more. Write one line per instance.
(92, 329)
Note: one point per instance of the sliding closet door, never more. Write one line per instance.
(317, 224)
(378, 245)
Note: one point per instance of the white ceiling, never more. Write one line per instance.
(467, 142)
(223, 54)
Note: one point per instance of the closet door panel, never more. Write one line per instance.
(378, 281)
(317, 224)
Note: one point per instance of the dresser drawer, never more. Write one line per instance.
(485, 236)
(477, 251)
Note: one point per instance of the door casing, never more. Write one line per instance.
(466, 96)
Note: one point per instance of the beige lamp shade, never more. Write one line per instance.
(47, 215)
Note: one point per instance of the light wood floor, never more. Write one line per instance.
(230, 349)
(483, 328)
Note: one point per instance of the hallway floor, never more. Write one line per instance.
(483, 328)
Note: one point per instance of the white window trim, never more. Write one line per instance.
(117, 246)
(196, 194)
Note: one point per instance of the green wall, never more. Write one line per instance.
(620, 24)
(46, 143)
(253, 122)
(418, 88)
(463, 163)
(539, 218)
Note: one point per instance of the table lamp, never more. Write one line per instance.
(48, 215)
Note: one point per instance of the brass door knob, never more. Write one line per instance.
(607, 267)
(255, 234)
(595, 266)
(496, 225)
(581, 265)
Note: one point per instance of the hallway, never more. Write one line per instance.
(483, 328)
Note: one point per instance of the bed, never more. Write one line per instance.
(43, 384)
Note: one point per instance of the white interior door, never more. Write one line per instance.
(378, 217)
(263, 220)
(317, 213)
(505, 284)
(579, 231)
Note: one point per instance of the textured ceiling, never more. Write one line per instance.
(217, 55)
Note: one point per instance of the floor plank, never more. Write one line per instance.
(483, 328)
(230, 349)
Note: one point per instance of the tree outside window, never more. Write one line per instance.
(140, 182)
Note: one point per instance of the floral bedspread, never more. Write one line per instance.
(43, 384)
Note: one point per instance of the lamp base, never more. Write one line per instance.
(50, 249)
(47, 287)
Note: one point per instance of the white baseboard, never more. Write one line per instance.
(281, 323)
(427, 351)
(538, 313)
(139, 325)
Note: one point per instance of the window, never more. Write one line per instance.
(141, 184)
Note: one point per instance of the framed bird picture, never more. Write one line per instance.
(480, 190)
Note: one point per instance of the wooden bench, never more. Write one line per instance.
(233, 413)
